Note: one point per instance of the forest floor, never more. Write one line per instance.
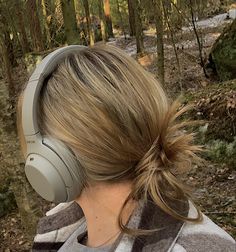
(215, 183)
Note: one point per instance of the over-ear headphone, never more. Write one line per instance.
(50, 166)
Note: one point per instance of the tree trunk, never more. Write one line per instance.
(120, 17)
(90, 31)
(8, 71)
(131, 18)
(223, 55)
(5, 38)
(8, 43)
(9, 12)
(8, 57)
(194, 18)
(171, 34)
(107, 13)
(157, 5)
(77, 9)
(45, 6)
(102, 20)
(34, 24)
(68, 11)
(138, 27)
(21, 27)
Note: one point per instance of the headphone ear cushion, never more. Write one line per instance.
(72, 171)
(45, 179)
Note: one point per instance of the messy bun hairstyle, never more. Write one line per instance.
(117, 119)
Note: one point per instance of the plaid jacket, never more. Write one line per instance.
(173, 235)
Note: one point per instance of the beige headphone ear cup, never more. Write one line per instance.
(45, 179)
(52, 169)
(72, 172)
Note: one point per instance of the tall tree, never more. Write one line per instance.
(120, 17)
(68, 12)
(21, 27)
(173, 39)
(45, 8)
(5, 34)
(90, 30)
(9, 11)
(157, 5)
(34, 24)
(7, 66)
(77, 9)
(107, 12)
(131, 18)
(199, 40)
(138, 26)
(102, 20)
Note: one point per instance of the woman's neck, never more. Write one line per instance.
(101, 204)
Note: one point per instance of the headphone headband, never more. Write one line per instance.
(35, 83)
(51, 168)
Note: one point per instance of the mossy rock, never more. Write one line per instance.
(223, 54)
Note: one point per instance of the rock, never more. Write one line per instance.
(222, 58)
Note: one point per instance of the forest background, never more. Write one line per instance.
(188, 44)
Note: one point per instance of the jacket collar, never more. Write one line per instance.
(168, 228)
(148, 216)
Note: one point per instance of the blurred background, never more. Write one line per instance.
(189, 45)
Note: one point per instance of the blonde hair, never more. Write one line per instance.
(117, 119)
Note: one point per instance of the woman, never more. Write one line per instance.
(117, 121)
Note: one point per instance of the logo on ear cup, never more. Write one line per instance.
(30, 141)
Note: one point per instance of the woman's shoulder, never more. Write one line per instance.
(203, 236)
(58, 224)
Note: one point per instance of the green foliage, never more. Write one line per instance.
(7, 200)
(222, 151)
(32, 60)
